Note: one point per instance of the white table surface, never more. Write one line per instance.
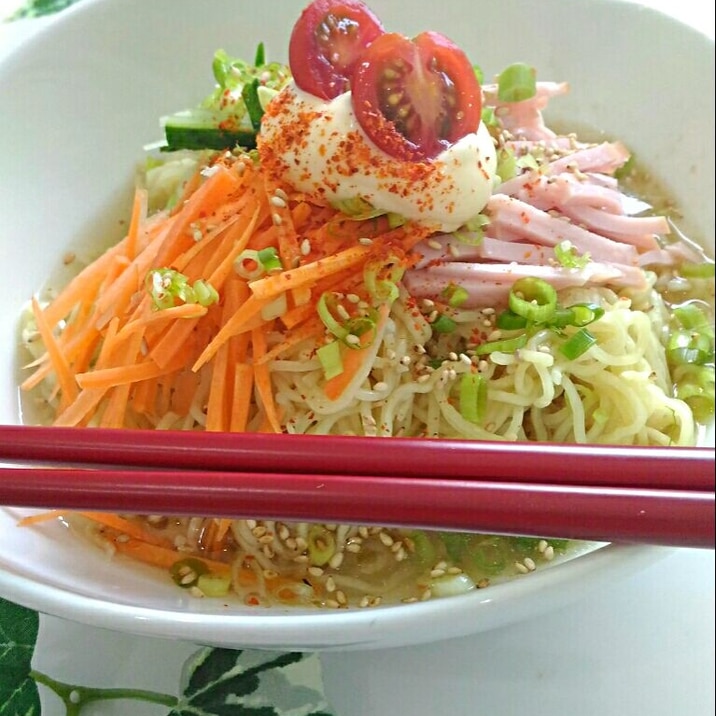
(643, 646)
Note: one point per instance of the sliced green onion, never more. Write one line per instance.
(331, 361)
(455, 295)
(204, 293)
(691, 315)
(395, 220)
(214, 585)
(578, 344)
(488, 117)
(269, 260)
(381, 278)
(249, 94)
(690, 269)
(359, 326)
(321, 545)
(473, 397)
(506, 164)
(508, 345)
(325, 307)
(275, 308)
(479, 74)
(516, 83)
(186, 572)
(423, 547)
(567, 255)
(508, 320)
(167, 286)
(689, 346)
(533, 298)
(357, 208)
(443, 324)
(585, 313)
(248, 265)
(260, 56)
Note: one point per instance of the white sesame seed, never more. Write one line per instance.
(277, 220)
(336, 560)
(305, 247)
(278, 202)
(549, 553)
(365, 241)
(530, 564)
(386, 539)
(521, 568)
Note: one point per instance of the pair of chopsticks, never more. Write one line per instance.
(653, 495)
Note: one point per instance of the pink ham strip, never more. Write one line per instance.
(604, 158)
(524, 119)
(554, 192)
(488, 284)
(639, 231)
(446, 248)
(511, 218)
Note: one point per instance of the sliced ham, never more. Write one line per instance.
(488, 284)
(521, 219)
(523, 120)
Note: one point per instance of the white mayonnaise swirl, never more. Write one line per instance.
(318, 147)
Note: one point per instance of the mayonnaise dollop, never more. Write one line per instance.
(318, 147)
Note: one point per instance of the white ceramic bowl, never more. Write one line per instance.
(78, 102)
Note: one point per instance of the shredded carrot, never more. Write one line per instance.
(263, 380)
(60, 364)
(125, 527)
(40, 517)
(310, 273)
(163, 557)
(241, 399)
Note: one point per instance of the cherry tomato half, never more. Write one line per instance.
(326, 43)
(415, 98)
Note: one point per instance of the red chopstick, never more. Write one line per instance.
(593, 466)
(665, 517)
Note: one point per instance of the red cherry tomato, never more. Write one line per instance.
(415, 98)
(326, 42)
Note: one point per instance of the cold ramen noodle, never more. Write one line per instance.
(374, 241)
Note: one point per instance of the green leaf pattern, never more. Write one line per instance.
(219, 682)
(18, 635)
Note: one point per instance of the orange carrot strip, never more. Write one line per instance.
(241, 399)
(220, 390)
(215, 191)
(262, 377)
(162, 556)
(126, 527)
(166, 315)
(116, 408)
(222, 528)
(238, 239)
(310, 329)
(65, 376)
(40, 517)
(172, 342)
(105, 378)
(307, 274)
(248, 310)
(139, 212)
